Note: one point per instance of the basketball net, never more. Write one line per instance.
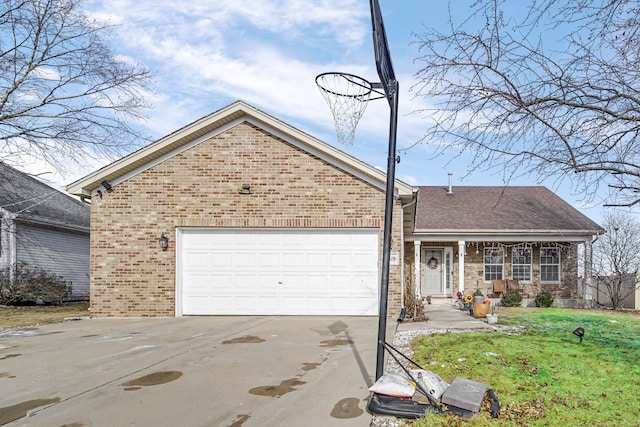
(347, 96)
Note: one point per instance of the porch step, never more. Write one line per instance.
(442, 300)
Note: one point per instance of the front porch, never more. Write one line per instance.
(438, 271)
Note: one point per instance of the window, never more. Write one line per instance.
(447, 272)
(493, 264)
(521, 264)
(549, 265)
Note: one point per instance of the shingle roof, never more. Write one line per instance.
(500, 208)
(31, 200)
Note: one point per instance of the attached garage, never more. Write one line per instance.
(261, 219)
(277, 271)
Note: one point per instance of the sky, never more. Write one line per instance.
(207, 54)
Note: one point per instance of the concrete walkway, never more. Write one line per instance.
(446, 316)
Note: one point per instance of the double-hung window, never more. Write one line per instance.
(493, 264)
(549, 265)
(521, 264)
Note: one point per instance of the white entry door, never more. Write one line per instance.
(277, 271)
(432, 271)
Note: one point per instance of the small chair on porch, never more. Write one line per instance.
(513, 285)
(499, 287)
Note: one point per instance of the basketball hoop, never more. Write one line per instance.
(347, 96)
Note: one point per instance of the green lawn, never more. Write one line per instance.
(540, 372)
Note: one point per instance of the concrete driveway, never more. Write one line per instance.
(189, 371)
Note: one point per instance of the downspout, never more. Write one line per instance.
(403, 308)
(588, 262)
(13, 247)
(461, 260)
(416, 270)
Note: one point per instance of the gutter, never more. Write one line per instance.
(484, 231)
(51, 224)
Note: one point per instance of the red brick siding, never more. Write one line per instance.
(131, 276)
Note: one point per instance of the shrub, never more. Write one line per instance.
(22, 284)
(544, 299)
(413, 305)
(511, 299)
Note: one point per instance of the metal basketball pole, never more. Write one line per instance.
(390, 86)
(388, 223)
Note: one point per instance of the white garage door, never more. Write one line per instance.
(277, 271)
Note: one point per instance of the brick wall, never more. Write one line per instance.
(567, 288)
(474, 271)
(131, 276)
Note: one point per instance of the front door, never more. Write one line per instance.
(432, 267)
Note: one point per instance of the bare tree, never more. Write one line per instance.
(64, 94)
(616, 258)
(552, 90)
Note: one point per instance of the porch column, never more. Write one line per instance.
(416, 268)
(461, 250)
(588, 258)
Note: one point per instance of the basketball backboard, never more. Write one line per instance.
(381, 49)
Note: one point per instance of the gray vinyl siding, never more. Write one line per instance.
(63, 253)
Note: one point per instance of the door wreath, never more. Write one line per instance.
(433, 263)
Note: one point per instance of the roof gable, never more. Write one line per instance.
(24, 197)
(475, 209)
(214, 124)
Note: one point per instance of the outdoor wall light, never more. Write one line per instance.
(246, 189)
(163, 241)
(106, 185)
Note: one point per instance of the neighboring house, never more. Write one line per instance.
(44, 228)
(630, 289)
(240, 213)
(478, 235)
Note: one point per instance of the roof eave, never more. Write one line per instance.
(503, 235)
(53, 224)
(84, 187)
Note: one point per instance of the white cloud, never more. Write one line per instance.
(207, 54)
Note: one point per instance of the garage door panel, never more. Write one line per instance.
(341, 240)
(198, 280)
(268, 260)
(278, 271)
(197, 259)
(263, 305)
(316, 308)
(241, 281)
(361, 259)
(204, 305)
(340, 260)
(240, 259)
(341, 305)
(293, 240)
(243, 240)
(293, 260)
(317, 283)
(293, 282)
